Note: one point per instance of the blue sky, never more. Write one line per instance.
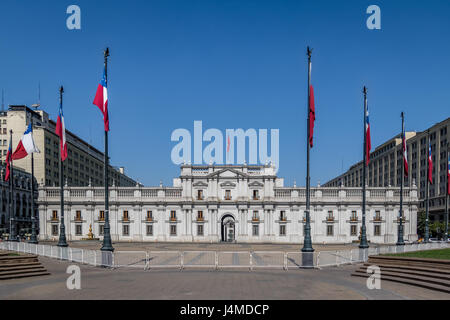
(231, 64)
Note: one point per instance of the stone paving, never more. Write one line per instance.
(99, 283)
(187, 246)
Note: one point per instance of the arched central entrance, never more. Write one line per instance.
(228, 228)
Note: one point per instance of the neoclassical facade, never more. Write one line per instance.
(21, 217)
(240, 203)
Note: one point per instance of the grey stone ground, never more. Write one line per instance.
(180, 246)
(99, 284)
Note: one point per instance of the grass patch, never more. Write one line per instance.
(443, 254)
(11, 254)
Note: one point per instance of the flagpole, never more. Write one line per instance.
(107, 243)
(400, 241)
(363, 243)
(307, 243)
(427, 190)
(33, 238)
(62, 228)
(13, 236)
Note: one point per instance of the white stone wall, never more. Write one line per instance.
(214, 181)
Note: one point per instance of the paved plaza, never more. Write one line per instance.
(127, 283)
(216, 246)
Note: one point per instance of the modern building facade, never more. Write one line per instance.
(22, 213)
(83, 166)
(239, 203)
(385, 166)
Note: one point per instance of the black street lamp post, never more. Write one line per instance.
(107, 243)
(363, 243)
(307, 243)
(400, 241)
(62, 229)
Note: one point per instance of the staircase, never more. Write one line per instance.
(20, 266)
(433, 274)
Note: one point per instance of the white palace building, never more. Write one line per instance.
(238, 203)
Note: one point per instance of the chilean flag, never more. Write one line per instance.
(26, 145)
(101, 100)
(368, 144)
(61, 132)
(8, 162)
(312, 115)
(430, 166)
(405, 154)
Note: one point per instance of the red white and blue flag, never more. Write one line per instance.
(61, 132)
(101, 100)
(8, 162)
(368, 143)
(26, 145)
(405, 154)
(430, 166)
(312, 115)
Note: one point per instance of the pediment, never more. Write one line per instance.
(227, 173)
(200, 184)
(256, 184)
(227, 184)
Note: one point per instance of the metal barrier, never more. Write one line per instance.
(234, 259)
(268, 259)
(164, 259)
(213, 259)
(130, 259)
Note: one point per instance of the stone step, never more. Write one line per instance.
(23, 264)
(408, 267)
(416, 283)
(18, 259)
(32, 267)
(18, 272)
(425, 278)
(412, 272)
(24, 275)
(410, 261)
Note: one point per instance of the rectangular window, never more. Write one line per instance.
(377, 230)
(377, 216)
(54, 215)
(101, 229)
(173, 229)
(227, 194)
(126, 230)
(330, 230)
(78, 215)
(200, 229)
(78, 229)
(255, 195)
(200, 215)
(54, 229)
(125, 215)
(102, 215)
(353, 230)
(255, 230)
(354, 216)
(199, 194)
(330, 216)
(283, 215)
(149, 216)
(282, 230)
(173, 215)
(150, 230)
(255, 216)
